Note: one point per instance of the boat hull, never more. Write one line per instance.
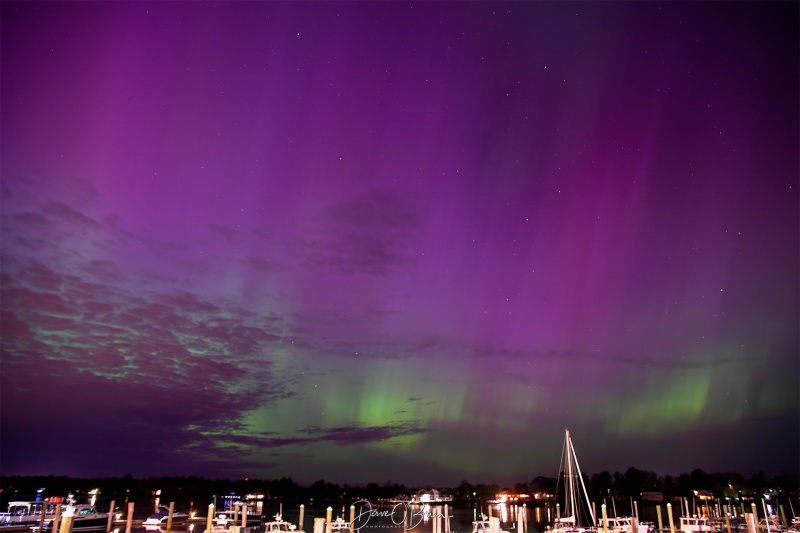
(97, 523)
(162, 521)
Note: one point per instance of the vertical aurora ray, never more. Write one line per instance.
(361, 241)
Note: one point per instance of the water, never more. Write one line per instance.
(373, 517)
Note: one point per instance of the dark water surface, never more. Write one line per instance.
(373, 517)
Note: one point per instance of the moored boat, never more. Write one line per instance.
(251, 505)
(279, 525)
(221, 523)
(484, 525)
(340, 524)
(25, 513)
(84, 518)
(160, 518)
(771, 524)
(580, 517)
(622, 524)
(695, 524)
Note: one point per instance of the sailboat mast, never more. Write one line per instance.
(585, 493)
(572, 462)
(571, 491)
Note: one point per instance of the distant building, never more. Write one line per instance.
(432, 495)
(505, 497)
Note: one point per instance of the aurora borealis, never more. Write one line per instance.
(362, 241)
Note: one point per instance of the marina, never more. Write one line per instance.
(400, 518)
(568, 510)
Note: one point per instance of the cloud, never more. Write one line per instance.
(147, 373)
(105, 271)
(138, 423)
(261, 264)
(339, 435)
(374, 233)
(224, 231)
(67, 215)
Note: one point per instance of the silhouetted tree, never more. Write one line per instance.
(464, 491)
(600, 485)
(522, 488)
(487, 492)
(544, 485)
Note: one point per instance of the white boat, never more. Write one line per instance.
(221, 523)
(24, 513)
(579, 514)
(234, 505)
(340, 524)
(773, 524)
(84, 518)
(279, 525)
(484, 525)
(161, 516)
(622, 524)
(695, 524)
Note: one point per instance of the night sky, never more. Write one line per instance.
(399, 241)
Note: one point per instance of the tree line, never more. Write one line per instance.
(633, 482)
(619, 485)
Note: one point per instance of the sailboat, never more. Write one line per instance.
(579, 514)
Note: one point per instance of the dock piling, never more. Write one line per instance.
(110, 516)
(44, 513)
(66, 523)
(56, 518)
(129, 518)
(671, 522)
(750, 520)
(328, 516)
(169, 516)
(660, 522)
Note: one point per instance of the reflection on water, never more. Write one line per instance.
(372, 517)
(388, 517)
